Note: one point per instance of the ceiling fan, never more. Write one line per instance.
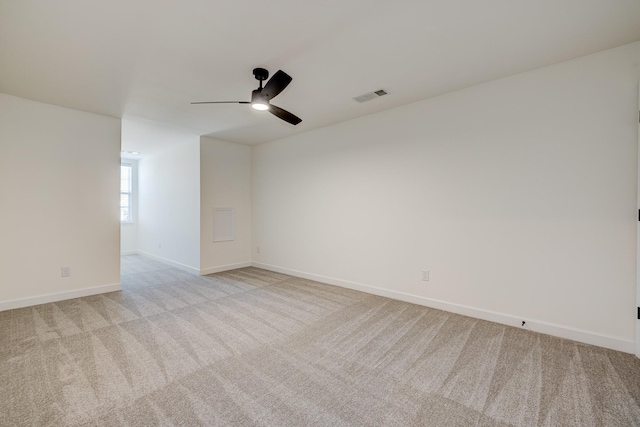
(260, 97)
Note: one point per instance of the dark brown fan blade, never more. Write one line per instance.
(284, 115)
(222, 102)
(276, 84)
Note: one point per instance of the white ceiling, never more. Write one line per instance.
(148, 59)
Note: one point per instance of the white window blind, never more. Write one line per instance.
(125, 193)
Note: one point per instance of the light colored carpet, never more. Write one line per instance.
(254, 348)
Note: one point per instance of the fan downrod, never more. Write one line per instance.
(260, 74)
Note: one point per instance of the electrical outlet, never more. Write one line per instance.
(65, 271)
(258, 249)
(159, 245)
(425, 275)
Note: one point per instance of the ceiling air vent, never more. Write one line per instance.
(371, 95)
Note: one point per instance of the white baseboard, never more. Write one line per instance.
(175, 264)
(600, 340)
(129, 253)
(58, 296)
(211, 270)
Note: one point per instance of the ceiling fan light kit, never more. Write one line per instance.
(258, 102)
(260, 97)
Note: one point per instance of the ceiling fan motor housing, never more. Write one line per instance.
(257, 97)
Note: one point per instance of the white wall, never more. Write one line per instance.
(225, 182)
(129, 230)
(519, 197)
(59, 179)
(169, 204)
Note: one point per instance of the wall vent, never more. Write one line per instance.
(371, 95)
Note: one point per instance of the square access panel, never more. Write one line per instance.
(223, 224)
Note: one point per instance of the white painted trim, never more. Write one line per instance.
(129, 253)
(211, 270)
(601, 340)
(58, 296)
(637, 310)
(184, 267)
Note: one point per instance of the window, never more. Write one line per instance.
(125, 193)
